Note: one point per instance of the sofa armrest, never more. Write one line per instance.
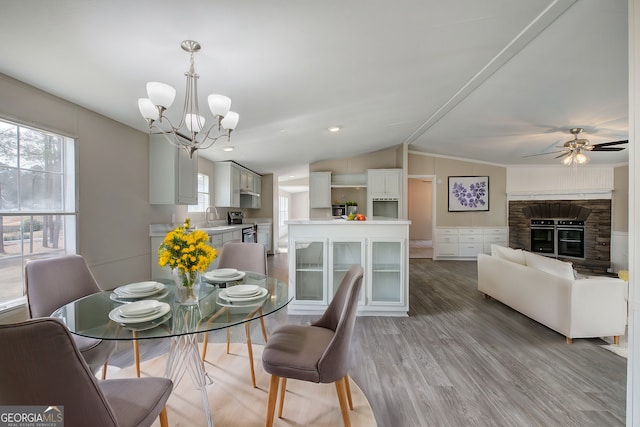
(598, 307)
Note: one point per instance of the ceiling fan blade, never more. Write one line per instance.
(606, 144)
(543, 154)
(608, 149)
(568, 153)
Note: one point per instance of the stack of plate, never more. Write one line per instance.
(222, 275)
(138, 290)
(139, 311)
(243, 293)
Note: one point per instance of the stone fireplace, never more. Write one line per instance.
(596, 215)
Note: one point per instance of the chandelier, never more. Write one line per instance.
(190, 133)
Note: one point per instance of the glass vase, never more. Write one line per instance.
(187, 286)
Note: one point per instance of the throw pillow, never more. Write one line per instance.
(550, 265)
(513, 255)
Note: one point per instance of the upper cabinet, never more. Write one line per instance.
(320, 189)
(236, 186)
(173, 175)
(384, 183)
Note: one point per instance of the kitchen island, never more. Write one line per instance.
(321, 251)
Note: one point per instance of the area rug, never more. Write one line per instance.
(234, 402)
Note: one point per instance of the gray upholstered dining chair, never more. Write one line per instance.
(243, 257)
(41, 365)
(54, 282)
(318, 352)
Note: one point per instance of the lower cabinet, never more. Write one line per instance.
(317, 266)
(467, 243)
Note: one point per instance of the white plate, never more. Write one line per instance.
(223, 294)
(214, 278)
(116, 317)
(122, 292)
(141, 308)
(140, 287)
(129, 299)
(243, 290)
(224, 272)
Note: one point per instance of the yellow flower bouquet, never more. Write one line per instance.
(187, 253)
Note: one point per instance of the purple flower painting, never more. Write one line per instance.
(468, 193)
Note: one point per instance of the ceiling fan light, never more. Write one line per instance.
(161, 94)
(581, 159)
(219, 105)
(568, 160)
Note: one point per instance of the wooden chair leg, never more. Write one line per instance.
(264, 329)
(228, 331)
(569, 340)
(616, 339)
(247, 328)
(164, 420)
(104, 369)
(342, 398)
(136, 356)
(271, 400)
(347, 386)
(283, 389)
(205, 342)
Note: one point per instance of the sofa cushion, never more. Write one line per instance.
(513, 255)
(550, 265)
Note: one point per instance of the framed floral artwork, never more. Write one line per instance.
(468, 193)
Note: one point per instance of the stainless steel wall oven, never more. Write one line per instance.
(543, 236)
(558, 238)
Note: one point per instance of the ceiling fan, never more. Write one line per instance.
(573, 151)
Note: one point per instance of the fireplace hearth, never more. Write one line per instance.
(595, 215)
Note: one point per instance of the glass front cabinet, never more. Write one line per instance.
(320, 255)
(344, 255)
(386, 272)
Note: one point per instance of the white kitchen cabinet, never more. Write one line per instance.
(320, 190)
(264, 236)
(342, 255)
(321, 252)
(467, 242)
(226, 185)
(384, 183)
(386, 272)
(173, 175)
(236, 186)
(309, 262)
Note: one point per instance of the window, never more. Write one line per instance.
(37, 202)
(284, 210)
(203, 194)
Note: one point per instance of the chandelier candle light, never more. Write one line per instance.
(189, 134)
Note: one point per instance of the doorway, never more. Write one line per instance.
(421, 215)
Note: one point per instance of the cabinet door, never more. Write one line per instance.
(257, 188)
(320, 190)
(187, 176)
(173, 175)
(392, 183)
(386, 278)
(309, 264)
(343, 255)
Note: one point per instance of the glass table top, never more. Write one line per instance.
(90, 316)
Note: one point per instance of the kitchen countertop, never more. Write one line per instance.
(340, 221)
(161, 230)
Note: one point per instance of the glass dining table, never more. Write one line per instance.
(104, 316)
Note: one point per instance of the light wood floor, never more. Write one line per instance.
(461, 360)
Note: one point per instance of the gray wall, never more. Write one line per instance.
(113, 169)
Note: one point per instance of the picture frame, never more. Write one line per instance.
(468, 193)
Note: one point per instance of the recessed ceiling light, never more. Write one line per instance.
(227, 148)
(292, 176)
(334, 129)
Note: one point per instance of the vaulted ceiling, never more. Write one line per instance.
(492, 80)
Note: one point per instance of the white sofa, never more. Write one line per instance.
(546, 290)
